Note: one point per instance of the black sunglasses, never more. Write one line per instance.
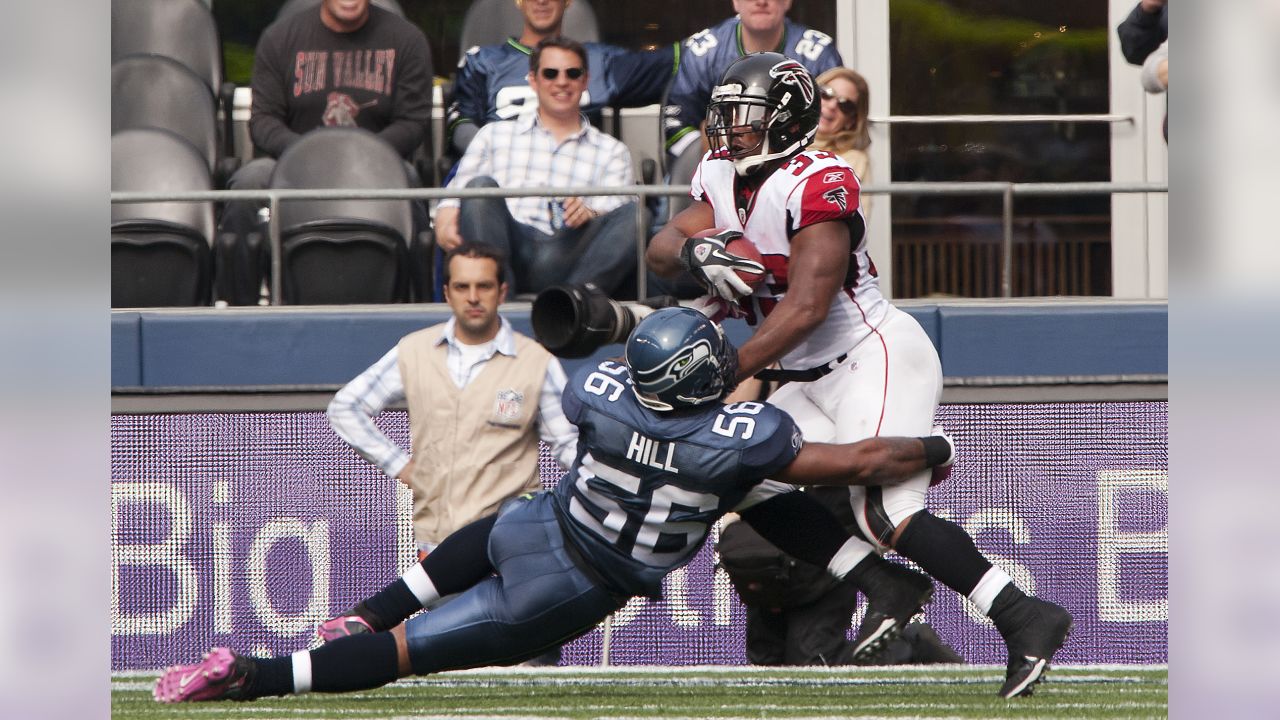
(572, 73)
(848, 107)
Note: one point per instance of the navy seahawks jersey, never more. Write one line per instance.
(492, 82)
(647, 486)
(705, 55)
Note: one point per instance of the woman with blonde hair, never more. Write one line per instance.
(842, 127)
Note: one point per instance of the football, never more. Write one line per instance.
(744, 248)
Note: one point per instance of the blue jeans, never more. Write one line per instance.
(601, 251)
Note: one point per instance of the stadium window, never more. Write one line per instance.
(963, 57)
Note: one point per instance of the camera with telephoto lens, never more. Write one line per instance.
(573, 321)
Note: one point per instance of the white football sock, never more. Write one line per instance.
(420, 585)
(984, 593)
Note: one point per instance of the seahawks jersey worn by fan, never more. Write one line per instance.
(647, 486)
(812, 187)
(705, 55)
(493, 81)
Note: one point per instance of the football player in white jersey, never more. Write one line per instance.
(858, 367)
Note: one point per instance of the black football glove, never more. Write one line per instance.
(716, 268)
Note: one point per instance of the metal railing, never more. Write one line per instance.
(1007, 190)
(998, 119)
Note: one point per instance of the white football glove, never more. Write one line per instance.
(716, 268)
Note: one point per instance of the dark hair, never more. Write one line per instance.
(476, 250)
(557, 41)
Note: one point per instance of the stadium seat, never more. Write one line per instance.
(681, 174)
(293, 6)
(180, 29)
(159, 92)
(489, 22)
(346, 251)
(160, 252)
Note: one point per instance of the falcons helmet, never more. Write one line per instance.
(765, 107)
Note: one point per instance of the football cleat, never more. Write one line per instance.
(220, 675)
(895, 598)
(342, 626)
(1039, 628)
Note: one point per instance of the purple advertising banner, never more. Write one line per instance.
(248, 529)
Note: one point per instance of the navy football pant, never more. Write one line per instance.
(539, 600)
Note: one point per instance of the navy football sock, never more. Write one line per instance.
(356, 662)
(798, 525)
(944, 550)
(459, 562)
(271, 676)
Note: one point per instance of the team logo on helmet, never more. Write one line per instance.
(682, 363)
(790, 72)
(837, 196)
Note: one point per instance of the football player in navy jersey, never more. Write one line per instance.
(758, 25)
(660, 459)
(857, 366)
(492, 82)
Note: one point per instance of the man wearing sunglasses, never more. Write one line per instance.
(491, 81)
(758, 26)
(549, 240)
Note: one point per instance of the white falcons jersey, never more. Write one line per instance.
(814, 187)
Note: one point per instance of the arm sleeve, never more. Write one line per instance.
(1140, 34)
(353, 408)
(1151, 69)
(411, 105)
(468, 104)
(553, 427)
(268, 114)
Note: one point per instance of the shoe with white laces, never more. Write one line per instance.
(220, 675)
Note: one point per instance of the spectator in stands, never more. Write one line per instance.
(501, 413)
(1155, 77)
(842, 126)
(1143, 30)
(347, 63)
(492, 80)
(549, 240)
(760, 25)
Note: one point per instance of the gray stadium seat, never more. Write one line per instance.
(489, 22)
(292, 6)
(344, 251)
(180, 29)
(160, 252)
(681, 174)
(153, 91)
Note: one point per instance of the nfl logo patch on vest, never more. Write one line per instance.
(509, 405)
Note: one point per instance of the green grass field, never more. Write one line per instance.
(681, 692)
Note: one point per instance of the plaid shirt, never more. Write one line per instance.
(521, 153)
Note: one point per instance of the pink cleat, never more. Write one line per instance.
(221, 675)
(342, 626)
